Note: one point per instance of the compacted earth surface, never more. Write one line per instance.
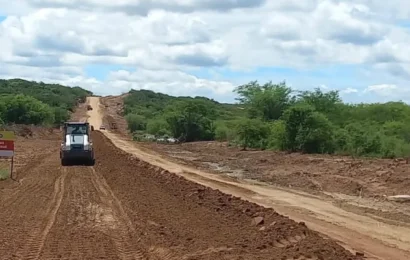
(358, 184)
(317, 174)
(125, 208)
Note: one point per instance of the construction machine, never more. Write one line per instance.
(76, 145)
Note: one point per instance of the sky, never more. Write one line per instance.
(208, 47)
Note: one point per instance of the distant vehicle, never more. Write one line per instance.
(102, 127)
(89, 107)
(76, 145)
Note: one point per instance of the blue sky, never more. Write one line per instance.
(204, 49)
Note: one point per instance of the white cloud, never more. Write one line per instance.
(388, 92)
(132, 7)
(383, 89)
(168, 81)
(349, 91)
(55, 40)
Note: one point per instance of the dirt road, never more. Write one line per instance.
(125, 208)
(379, 238)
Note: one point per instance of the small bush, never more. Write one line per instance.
(135, 122)
(252, 133)
(307, 130)
(277, 135)
(158, 127)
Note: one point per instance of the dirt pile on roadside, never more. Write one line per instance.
(113, 107)
(176, 216)
(35, 132)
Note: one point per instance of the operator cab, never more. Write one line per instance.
(72, 128)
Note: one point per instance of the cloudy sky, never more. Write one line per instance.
(207, 47)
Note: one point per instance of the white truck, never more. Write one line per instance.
(77, 145)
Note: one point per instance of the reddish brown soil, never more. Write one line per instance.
(312, 173)
(112, 107)
(80, 113)
(31, 145)
(123, 208)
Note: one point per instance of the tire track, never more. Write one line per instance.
(24, 207)
(76, 234)
(15, 195)
(91, 223)
(304, 258)
(123, 230)
(38, 236)
(163, 253)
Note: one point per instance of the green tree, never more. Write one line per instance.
(316, 134)
(190, 120)
(323, 102)
(364, 139)
(61, 115)
(54, 95)
(329, 103)
(307, 130)
(221, 132)
(342, 140)
(2, 110)
(393, 147)
(60, 99)
(277, 135)
(158, 127)
(252, 133)
(398, 129)
(268, 101)
(21, 109)
(135, 122)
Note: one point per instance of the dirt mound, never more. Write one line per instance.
(80, 113)
(186, 217)
(113, 107)
(32, 131)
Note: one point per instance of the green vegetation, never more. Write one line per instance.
(273, 116)
(185, 118)
(4, 174)
(28, 102)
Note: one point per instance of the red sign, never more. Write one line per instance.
(6, 145)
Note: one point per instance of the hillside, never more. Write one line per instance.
(191, 119)
(151, 104)
(276, 117)
(29, 102)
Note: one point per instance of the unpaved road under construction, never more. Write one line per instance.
(124, 208)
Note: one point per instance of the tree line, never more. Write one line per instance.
(29, 102)
(274, 116)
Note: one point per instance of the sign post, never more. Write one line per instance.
(7, 147)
